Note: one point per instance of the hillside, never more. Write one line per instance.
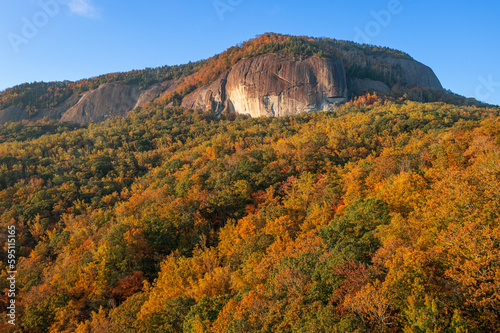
(202, 85)
(378, 216)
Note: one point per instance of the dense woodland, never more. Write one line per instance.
(380, 216)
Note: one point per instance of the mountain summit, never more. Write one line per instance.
(271, 75)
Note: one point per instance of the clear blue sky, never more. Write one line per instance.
(75, 39)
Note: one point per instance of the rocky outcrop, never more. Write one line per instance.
(360, 86)
(274, 85)
(211, 97)
(414, 72)
(57, 112)
(107, 101)
(12, 114)
(155, 92)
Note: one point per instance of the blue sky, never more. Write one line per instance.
(48, 40)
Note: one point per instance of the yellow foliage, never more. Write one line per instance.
(198, 276)
(372, 304)
(282, 227)
(404, 192)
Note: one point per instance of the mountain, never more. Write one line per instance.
(271, 75)
(382, 215)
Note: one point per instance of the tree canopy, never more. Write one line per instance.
(382, 215)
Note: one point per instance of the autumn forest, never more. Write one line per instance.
(380, 216)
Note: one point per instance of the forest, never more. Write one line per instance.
(379, 216)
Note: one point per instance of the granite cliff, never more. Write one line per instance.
(274, 85)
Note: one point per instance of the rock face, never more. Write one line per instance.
(360, 86)
(274, 85)
(155, 91)
(12, 113)
(106, 101)
(58, 111)
(109, 101)
(211, 97)
(415, 72)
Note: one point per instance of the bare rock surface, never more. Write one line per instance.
(57, 112)
(211, 97)
(415, 73)
(11, 114)
(105, 102)
(360, 86)
(155, 92)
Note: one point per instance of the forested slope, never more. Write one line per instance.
(380, 216)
